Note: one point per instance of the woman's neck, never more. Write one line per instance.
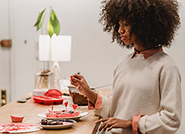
(139, 47)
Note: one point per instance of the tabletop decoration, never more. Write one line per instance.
(63, 113)
(17, 118)
(18, 127)
(56, 124)
(66, 103)
(75, 106)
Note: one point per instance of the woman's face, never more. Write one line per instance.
(124, 31)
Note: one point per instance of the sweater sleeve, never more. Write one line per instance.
(104, 111)
(102, 105)
(97, 105)
(135, 121)
(167, 120)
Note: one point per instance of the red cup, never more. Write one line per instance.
(17, 118)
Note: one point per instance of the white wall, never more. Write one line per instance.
(93, 54)
(177, 52)
(4, 52)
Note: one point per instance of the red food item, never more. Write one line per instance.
(17, 118)
(68, 115)
(51, 115)
(61, 115)
(66, 103)
(75, 106)
(71, 77)
(71, 80)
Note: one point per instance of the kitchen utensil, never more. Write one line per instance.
(23, 100)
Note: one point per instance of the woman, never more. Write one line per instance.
(146, 93)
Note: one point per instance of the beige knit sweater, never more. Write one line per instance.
(151, 87)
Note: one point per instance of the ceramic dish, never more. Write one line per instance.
(18, 127)
(82, 113)
(66, 124)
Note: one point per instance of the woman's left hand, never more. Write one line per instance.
(109, 123)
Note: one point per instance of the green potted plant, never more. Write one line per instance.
(53, 26)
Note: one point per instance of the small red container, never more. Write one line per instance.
(17, 118)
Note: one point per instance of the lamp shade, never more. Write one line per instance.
(60, 48)
(44, 48)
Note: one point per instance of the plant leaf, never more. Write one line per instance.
(40, 20)
(55, 23)
(50, 29)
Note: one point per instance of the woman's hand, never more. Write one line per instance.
(80, 83)
(109, 123)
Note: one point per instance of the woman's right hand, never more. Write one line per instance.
(80, 83)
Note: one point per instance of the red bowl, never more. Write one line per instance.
(17, 118)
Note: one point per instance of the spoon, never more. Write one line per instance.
(23, 100)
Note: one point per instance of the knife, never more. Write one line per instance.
(23, 100)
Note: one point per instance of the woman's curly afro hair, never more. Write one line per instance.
(154, 22)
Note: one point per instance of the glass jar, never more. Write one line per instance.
(44, 80)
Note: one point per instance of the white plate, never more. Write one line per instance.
(82, 113)
(31, 128)
(72, 122)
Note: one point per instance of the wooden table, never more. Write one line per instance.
(31, 110)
